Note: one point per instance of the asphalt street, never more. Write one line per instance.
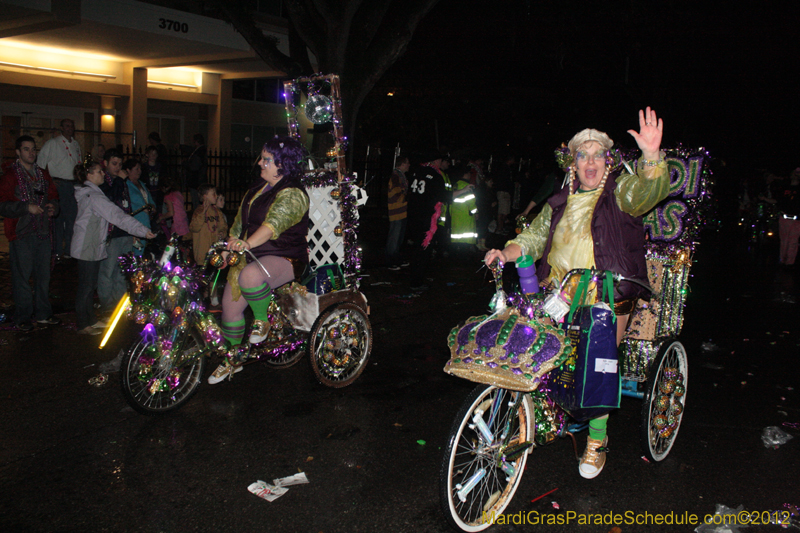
(75, 457)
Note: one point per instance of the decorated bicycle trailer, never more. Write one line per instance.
(323, 314)
(527, 363)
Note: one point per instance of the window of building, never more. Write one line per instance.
(269, 90)
(250, 138)
(169, 128)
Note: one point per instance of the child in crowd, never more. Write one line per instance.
(95, 213)
(152, 173)
(208, 226)
(174, 208)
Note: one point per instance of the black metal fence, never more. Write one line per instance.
(233, 171)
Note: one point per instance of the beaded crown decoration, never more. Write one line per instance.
(507, 350)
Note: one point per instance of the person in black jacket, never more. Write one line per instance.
(426, 197)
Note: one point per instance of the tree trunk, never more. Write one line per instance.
(358, 40)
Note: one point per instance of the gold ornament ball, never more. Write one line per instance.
(660, 421)
(335, 194)
(680, 390)
(334, 333)
(665, 432)
(338, 231)
(217, 261)
(234, 259)
(662, 403)
(667, 386)
(676, 408)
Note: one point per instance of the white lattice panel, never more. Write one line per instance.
(323, 216)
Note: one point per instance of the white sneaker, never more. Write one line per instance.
(222, 372)
(100, 325)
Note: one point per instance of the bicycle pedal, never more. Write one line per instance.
(512, 453)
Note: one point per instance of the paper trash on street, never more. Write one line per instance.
(297, 479)
(262, 489)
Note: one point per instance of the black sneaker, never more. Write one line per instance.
(25, 326)
(52, 321)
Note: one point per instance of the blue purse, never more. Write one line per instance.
(588, 384)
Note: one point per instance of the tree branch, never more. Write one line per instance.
(263, 46)
(310, 25)
(298, 49)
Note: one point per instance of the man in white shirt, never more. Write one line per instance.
(59, 156)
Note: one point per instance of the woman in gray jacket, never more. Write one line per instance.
(95, 213)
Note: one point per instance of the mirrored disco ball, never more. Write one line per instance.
(319, 109)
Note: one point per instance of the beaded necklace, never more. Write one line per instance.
(69, 151)
(32, 189)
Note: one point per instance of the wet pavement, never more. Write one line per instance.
(75, 457)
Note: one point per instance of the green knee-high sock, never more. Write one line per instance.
(259, 299)
(597, 427)
(233, 332)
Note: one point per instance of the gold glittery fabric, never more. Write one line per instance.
(287, 210)
(573, 246)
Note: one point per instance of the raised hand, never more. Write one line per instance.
(649, 135)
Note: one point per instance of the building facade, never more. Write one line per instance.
(121, 69)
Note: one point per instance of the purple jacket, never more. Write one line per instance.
(292, 243)
(618, 240)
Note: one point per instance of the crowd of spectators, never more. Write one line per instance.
(51, 211)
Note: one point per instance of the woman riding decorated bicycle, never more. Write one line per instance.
(272, 223)
(596, 222)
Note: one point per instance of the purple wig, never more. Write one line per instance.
(289, 156)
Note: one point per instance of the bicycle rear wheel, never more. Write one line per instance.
(339, 344)
(665, 397)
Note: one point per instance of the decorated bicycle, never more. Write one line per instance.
(531, 356)
(322, 313)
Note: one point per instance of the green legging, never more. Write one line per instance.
(597, 427)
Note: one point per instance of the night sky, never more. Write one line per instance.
(530, 74)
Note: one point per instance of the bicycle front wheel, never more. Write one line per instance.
(153, 383)
(485, 457)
